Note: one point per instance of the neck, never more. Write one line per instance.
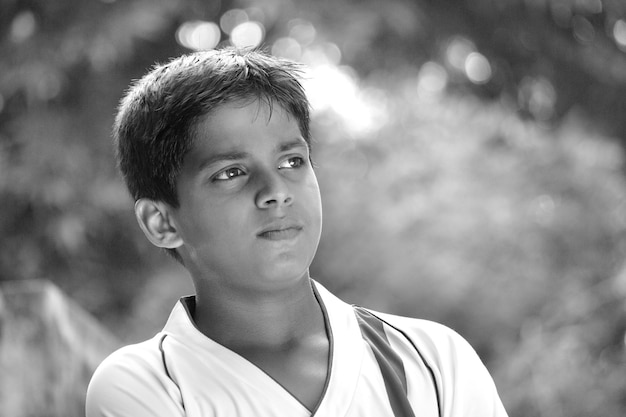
(273, 320)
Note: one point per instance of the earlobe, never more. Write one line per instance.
(156, 223)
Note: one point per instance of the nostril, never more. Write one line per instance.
(273, 191)
(279, 201)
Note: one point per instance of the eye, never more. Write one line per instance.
(228, 174)
(292, 162)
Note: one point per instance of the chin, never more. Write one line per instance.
(284, 278)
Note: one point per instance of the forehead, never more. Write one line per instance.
(242, 128)
(237, 120)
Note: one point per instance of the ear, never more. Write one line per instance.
(157, 224)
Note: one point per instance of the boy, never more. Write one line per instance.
(214, 147)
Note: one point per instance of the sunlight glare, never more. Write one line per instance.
(332, 88)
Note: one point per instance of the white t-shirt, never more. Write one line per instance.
(381, 366)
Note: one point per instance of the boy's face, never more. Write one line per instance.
(250, 209)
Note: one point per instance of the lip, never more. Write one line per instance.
(280, 231)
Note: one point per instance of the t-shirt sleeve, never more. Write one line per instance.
(468, 388)
(130, 383)
(465, 387)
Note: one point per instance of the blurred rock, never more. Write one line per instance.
(49, 348)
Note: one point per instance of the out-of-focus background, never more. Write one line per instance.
(470, 155)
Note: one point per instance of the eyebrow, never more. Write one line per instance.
(225, 156)
(296, 143)
(238, 155)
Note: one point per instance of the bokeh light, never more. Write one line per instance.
(619, 34)
(457, 51)
(561, 13)
(198, 35)
(287, 48)
(233, 18)
(432, 80)
(591, 6)
(23, 26)
(258, 15)
(538, 96)
(301, 30)
(47, 86)
(320, 54)
(247, 34)
(583, 30)
(477, 68)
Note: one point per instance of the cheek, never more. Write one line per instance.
(317, 196)
(215, 236)
(313, 202)
(203, 222)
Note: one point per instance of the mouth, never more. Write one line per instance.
(281, 232)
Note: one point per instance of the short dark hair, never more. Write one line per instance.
(155, 124)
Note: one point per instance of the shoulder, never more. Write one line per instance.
(133, 381)
(440, 346)
(433, 339)
(464, 383)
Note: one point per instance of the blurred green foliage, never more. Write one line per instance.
(471, 166)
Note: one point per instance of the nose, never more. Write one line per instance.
(273, 191)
